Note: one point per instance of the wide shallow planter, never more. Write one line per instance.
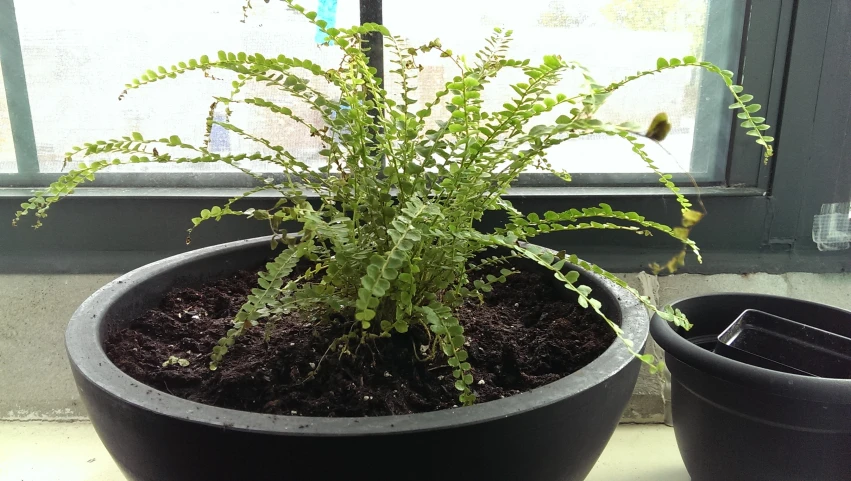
(555, 432)
(738, 422)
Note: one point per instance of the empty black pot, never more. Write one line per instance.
(553, 433)
(738, 422)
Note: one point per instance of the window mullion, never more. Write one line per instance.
(371, 12)
(17, 98)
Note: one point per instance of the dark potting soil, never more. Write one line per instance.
(524, 335)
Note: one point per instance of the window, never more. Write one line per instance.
(792, 55)
(78, 55)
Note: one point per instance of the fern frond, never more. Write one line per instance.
(451, 338)
(384, 268)
(270, 281)
(65, 185)
(597, 97)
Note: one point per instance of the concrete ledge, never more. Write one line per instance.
(36, 378)
(37, 383)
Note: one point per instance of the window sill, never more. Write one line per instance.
(110, 229)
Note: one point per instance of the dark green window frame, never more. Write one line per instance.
(795, 58)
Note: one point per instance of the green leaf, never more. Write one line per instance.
(401, 326)
(753, 108)
(572, 277)
(470, 82)
(661, 63)
(390, 273)
(552, 61)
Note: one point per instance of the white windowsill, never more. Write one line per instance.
(37, 451)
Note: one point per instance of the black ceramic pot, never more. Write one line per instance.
(553, 433)
(738, 422)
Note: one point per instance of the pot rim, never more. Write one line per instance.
(88, 358)
(795, 386)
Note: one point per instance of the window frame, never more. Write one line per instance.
(759, 217)
(29, 174)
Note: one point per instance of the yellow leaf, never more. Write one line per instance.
(691, 217)
(681, 233)
(659, 127)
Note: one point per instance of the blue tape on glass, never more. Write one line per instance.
(327, 11)
(219, 137)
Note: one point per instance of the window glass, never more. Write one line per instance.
(613, 39)
(78, 55)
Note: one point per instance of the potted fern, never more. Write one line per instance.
(385, 262)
